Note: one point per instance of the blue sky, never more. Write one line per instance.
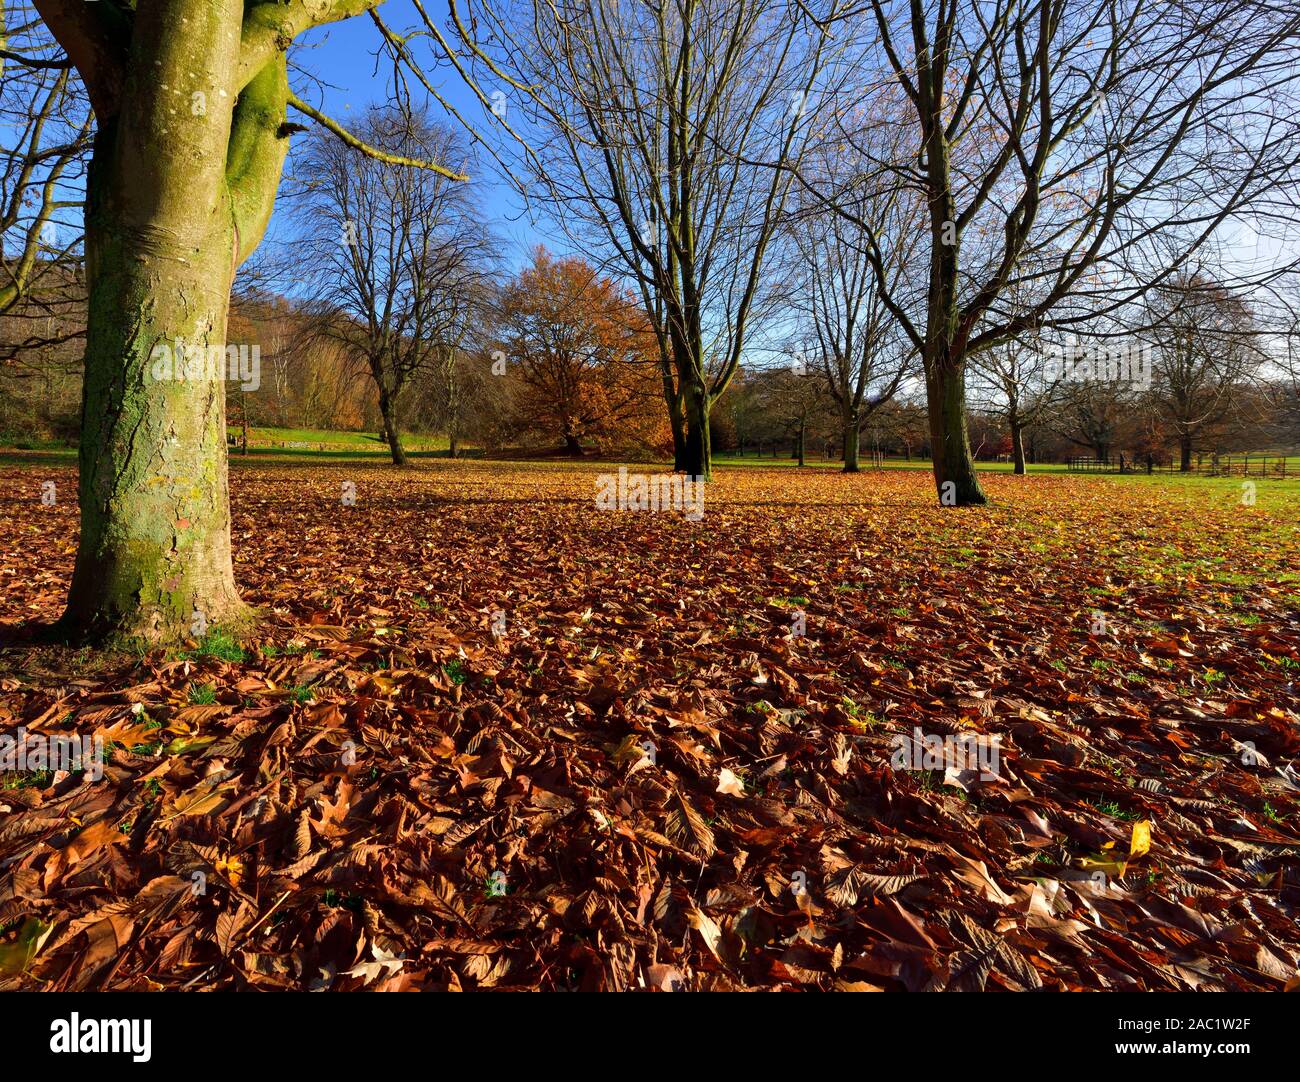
(343, 57)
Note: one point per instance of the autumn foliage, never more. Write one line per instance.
(484, 740)
(584, 356)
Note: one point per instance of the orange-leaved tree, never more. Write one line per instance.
(583, 353)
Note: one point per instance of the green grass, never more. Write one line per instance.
(1113, 809)
(330, 444)
(218, 644)
(340, 439)
(336, 446)
(202, 694)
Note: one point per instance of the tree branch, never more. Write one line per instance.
(365, 148)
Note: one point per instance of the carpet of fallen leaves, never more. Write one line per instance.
(489, 737)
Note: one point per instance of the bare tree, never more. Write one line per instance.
(1092, 413)
(1023, 387)
(1069, 158)
(665, 135)
(44, 142)
(851, 336)
(1206, 354)
(398, 254)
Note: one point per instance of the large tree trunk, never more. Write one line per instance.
(803, 439)
(154, 560)
(954, 467)
(155, 515)
(676, 417)
(698, 459)
(679, 444)
(394, 437)
(572, 445)
(1018, 446)
(852, 443)
(1185, 453)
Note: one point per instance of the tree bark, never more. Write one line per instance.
(698, 458)
(155, 516)
(852, 443)
(954, 468)
(1018, 446)
(677, 423)
(389, 413)
(803, 437)
(1185, 453)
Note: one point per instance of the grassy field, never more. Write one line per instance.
(324, 445)
(300, 440)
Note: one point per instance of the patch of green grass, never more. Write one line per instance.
(455, 671)
(35, 779)
(202, 694)
(216, 643)
(862, 718)
(1111, 808)
(787, 602)
(301, 693)
(333, 900)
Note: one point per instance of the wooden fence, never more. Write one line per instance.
(1204, 466)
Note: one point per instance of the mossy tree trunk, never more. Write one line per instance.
(189, 98)
(180, 188)
(943, 355)
(954, 465)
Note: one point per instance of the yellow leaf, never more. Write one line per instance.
(180, 746)
(232, 868)
(1140, 844)
(1113, 868)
